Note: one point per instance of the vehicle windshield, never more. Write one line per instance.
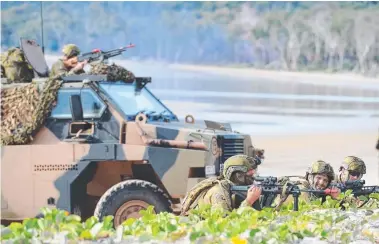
(131, 104)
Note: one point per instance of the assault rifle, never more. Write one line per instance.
(349, 185)
(357, 186)
(271, 188)
(99, 56)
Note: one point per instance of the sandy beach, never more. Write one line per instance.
(291, 155)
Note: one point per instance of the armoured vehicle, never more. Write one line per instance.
(109, 148)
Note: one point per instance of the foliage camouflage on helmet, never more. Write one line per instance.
(15, 67)
(353, 163)
(114, 72)
(71, 50)
(239, 162)
(321, 167)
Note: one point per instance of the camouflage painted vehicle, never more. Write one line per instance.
(110, 148)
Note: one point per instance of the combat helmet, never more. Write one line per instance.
(70, 50)
(321, 167)
(239, 162)
(352, 163)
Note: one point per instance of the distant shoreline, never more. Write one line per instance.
(316, 77)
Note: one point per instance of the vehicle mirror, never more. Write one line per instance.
(76, 108)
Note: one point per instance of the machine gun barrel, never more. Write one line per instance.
(99, 55)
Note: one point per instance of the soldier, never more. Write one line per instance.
(238, 170)
(69, 62)
(318, 177)
(352, 168)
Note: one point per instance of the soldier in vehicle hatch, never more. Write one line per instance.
(238, 170)
(68, 64)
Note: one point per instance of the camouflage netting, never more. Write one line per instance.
(114, 72)
(24, 110)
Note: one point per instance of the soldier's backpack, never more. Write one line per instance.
(193, 195)
(15, 67)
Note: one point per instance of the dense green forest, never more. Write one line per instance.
(328, 36)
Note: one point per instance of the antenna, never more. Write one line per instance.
(43, 46)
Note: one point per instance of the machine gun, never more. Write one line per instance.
(270, 188)
(99, 56)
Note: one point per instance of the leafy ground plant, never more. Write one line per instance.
(314, 223)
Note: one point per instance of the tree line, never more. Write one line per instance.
(297, 36)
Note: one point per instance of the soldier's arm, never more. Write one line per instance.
(218, 199)
(58, 68)
(244, 203)
(76, 71)
(79, 68)
(286, 199)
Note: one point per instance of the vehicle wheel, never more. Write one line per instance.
(125, 199)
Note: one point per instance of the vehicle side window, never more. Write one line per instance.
(93, 107)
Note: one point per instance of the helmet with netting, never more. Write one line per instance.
(70, 50)
(352, 163)
(321, 167)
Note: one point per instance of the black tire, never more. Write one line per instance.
(130, 190)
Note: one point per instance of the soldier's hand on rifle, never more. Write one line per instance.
(80, 65)
(335, 192)
(253, 194)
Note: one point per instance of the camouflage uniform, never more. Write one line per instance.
(217, 191)
(58, 68)
(307, 182)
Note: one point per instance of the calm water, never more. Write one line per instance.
(264, 106)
